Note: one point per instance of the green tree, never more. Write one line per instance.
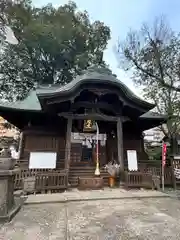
(55, 44)
(152, 55)
(3, 5)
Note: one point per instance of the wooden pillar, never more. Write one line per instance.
(20, 149)
(68, 143)
(120, 144)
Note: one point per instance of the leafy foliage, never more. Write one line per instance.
(3, 5)
(55, 44)
(153, 56)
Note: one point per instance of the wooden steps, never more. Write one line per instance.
(85, 171)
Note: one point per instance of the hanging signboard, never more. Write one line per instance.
(89, 126)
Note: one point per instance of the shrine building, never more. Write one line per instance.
(60, 123)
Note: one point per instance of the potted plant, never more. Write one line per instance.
(113, 169)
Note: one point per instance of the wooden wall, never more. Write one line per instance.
(38, 140)
(44, 139)
(131, 141)
(134, 141)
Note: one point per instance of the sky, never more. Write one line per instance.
(120, 16)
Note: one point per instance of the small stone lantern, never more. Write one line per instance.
(8, 206)
(6, 161)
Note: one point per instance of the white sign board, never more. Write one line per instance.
(132, 160)
(42, 160)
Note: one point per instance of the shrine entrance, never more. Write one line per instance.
(88, 153)
(84, 147)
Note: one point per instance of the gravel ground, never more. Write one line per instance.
(97, 220)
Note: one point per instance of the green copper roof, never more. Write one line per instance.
(30, 103)
(153, 115)
(47, 89)
(94, 74)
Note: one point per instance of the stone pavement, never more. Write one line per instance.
(107, 193)
(131, 219)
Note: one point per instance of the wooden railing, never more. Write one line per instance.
(50, 181)
(47, 179)
(135, 179)
(156, 171)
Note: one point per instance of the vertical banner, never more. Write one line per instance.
(97, 171)
(164, 152)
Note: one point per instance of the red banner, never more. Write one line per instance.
(164, 152)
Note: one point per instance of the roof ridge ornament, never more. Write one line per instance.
(99, 68)
(46, 86)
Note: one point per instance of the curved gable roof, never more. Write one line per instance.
(96, 75)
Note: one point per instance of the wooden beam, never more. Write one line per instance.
(68, 143)
(98, 105)
(125, 119)
(94, 116)
(120, 143)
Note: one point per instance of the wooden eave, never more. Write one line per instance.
(71, 90)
